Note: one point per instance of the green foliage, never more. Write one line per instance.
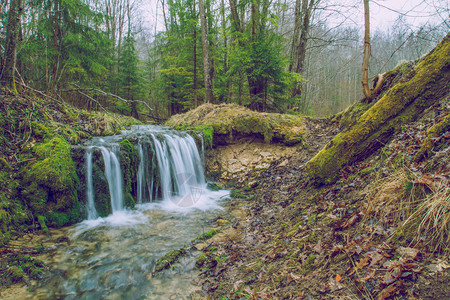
(23, 266)
(77, 51)
(129, 76)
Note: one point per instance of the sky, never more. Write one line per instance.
(384, 13)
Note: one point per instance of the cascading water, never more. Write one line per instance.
(114, 177)
(170, 168)
(91, 211)
(113, 257)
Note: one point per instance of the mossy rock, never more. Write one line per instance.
(129, 164)
(101, 188)
(52, 181)
(40, 131)
(227, 121)
(402, 104)
(168, 259)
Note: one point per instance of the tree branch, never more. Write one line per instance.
(79, 88)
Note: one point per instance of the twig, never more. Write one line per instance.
(39, 92)
(398, 48)
(89, 97)
(106, 94)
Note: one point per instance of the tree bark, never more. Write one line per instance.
(12, 35)
(300, 52)
(195, 60)
(366, 56)
(209, 97)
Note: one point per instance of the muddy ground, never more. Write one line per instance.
(349, 240)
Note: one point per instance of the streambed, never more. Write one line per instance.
(113, 257)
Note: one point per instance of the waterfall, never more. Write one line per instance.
(168, 166)
(91, 211)
(114, 177)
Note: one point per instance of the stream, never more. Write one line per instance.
(113, 257)
(112, 254)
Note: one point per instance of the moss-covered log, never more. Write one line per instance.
(401, 105)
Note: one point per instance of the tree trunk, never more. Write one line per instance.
(209, 97)
(225, 58)
(365, 64)
(12, 35)
(195, 61)
(52, 86)
(297, 25)
(301, 47)
(235, 16)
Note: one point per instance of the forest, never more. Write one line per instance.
(303, 152)
(300, 57)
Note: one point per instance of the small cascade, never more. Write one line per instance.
(114, 177)
(91, 211)
(145, 180)
(162, 165)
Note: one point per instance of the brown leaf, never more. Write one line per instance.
(376, 258)
(363, 262)
(387, 292)
(318, 248)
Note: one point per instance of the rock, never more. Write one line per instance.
(222, 222)
(252, 184)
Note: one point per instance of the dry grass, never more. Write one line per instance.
(415, 210)
(387, 198)
(433, 217)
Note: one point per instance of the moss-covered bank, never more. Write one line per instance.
(225, 121)
(401, 105)
(40, 179)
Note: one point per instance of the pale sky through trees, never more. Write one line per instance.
(384, 13)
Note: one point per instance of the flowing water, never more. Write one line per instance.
(114, 257)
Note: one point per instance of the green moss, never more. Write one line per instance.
(39, 130)
(5, 220)
(201, 260)
(401, 105)
(129, 200)
(351, 114)
(101, 188)
(254, 124)
(129, 163)
(237, 194)
(228, 120)
(4, 165)
(41, 220)
(206, 236)
(435, 131)
(16, 274)
(52, 181)
(168, 259)
(367, 171)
